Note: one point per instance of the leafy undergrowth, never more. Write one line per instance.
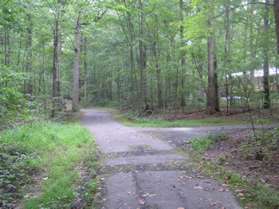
(203, 144)
(15, 172)
(46, 151)
(253, 193)
(133, 120)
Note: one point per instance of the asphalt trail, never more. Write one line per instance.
(142, 169)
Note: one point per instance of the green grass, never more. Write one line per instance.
(203, 144)
(56, 150)
(160, 123)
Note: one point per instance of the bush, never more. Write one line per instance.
(203, 144)
(50, 148)
(12, 101)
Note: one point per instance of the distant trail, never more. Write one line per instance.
(143, 171)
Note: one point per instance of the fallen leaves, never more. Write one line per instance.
(240, 193)
(141, 201)
(198, 187)
(148, 195)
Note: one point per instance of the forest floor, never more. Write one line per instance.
(153, 168)
(198, 118)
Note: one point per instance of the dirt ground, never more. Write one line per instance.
(239, 155)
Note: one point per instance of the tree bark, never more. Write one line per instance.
(212, 91)
(227, 53)
(7, 47)
(266, 59)
(56, 66)
(131, 38)
(142, 58)
(276, 13)
(85, 66)
(182, 55)
(76, 70)
(28, 67)
(158, 74)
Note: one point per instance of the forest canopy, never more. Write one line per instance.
(145, 55)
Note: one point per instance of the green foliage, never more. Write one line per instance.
(203, 144)
(263, 145)
(52, 149)
(16, 168)
(132, 120)
(12, 101)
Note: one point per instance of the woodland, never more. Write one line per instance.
(141, 55)
(160, 63)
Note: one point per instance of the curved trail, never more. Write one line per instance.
(143, 171)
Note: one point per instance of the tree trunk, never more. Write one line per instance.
(227, 52)
(7, 47)
(142, 59)
(158, 75)
(19, 51)
(76, 70)
(266, 58)
(276, 13)
(56, 67)
(182, 56)
(212, 91)
(85, 69)
(28, 67)
(130, 26)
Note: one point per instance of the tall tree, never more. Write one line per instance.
(266, 57)
(142, 56)
(28, 67)
(56, 59)
(182, 54)
(276, 12)
(76, 70)
(212, 90)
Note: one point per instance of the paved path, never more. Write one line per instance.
(143, 171)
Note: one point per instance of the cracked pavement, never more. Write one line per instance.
(142, 169)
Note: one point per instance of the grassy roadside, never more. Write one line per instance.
(51, 153)
(251, 195)
(131, 120)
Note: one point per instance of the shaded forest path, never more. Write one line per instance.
(142, 169)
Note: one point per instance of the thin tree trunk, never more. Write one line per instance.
(142, 59)
(28, 67)
(76, 70)
(266, 59)
(212, 91)
(85, 68)
(227, 51)
(253, 49)
(7, 46)
(276, 13)
(158, 75)
(19, 51)
(130, 27)
(182, 58)
(56, 66)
